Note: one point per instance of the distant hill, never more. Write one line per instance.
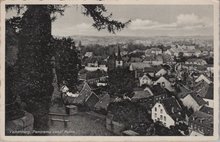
(109, 40)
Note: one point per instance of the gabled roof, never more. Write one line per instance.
(198, 99)
(172, 107)
(207, 110)
(162, 78)
(204, 90)
(84, 94)
(184, 92)
(202, 118)
(103, 102)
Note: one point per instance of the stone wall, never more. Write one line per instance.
(21, 126)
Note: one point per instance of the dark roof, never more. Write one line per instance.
(204, 89)
(158, 90)
(135, 59)
(207, 110)
(198, 99)
(172, 107)
(103, 102)
(202, 118)
(85, 93)
(167, 58)
(95, 74)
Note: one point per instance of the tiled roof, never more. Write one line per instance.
(204, 89)
(207, 110)
(103, 102)
(202, 118)
(84, 94)
(198, 99)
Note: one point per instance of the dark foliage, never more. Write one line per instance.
(33, 69)
(160, 130)
(100, 20)
(121, 82)
(67, 61)
(129, 113)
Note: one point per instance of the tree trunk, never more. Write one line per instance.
(34, 70)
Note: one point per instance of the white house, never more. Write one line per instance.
(164, 83)
(88, 54)
(204, 78)
(167, 111)
(145, 80)
(104, 68)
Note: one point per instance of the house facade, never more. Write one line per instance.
(145, 80)
(164, 83)
(167, 111)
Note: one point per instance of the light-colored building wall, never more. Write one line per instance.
(159, 114)
(166, 83)
(210, 102)
(96, 68)
(189, 102)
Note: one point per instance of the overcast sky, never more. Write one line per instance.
(147, 20)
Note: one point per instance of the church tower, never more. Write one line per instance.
(119, 61)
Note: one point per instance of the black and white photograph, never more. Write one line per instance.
(108, 69)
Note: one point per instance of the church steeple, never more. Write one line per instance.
(119, 58)
(119, 61)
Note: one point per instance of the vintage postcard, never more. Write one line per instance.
(109, 70)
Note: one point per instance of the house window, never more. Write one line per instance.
(155, 109)
(159, 105)
(155, 115)
(164, 124)
(164, 118)
(161, 117)
(161, 110)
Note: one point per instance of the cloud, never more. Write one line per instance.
(184, 24)
(142, 24)
(183, 21)
(192, 21)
